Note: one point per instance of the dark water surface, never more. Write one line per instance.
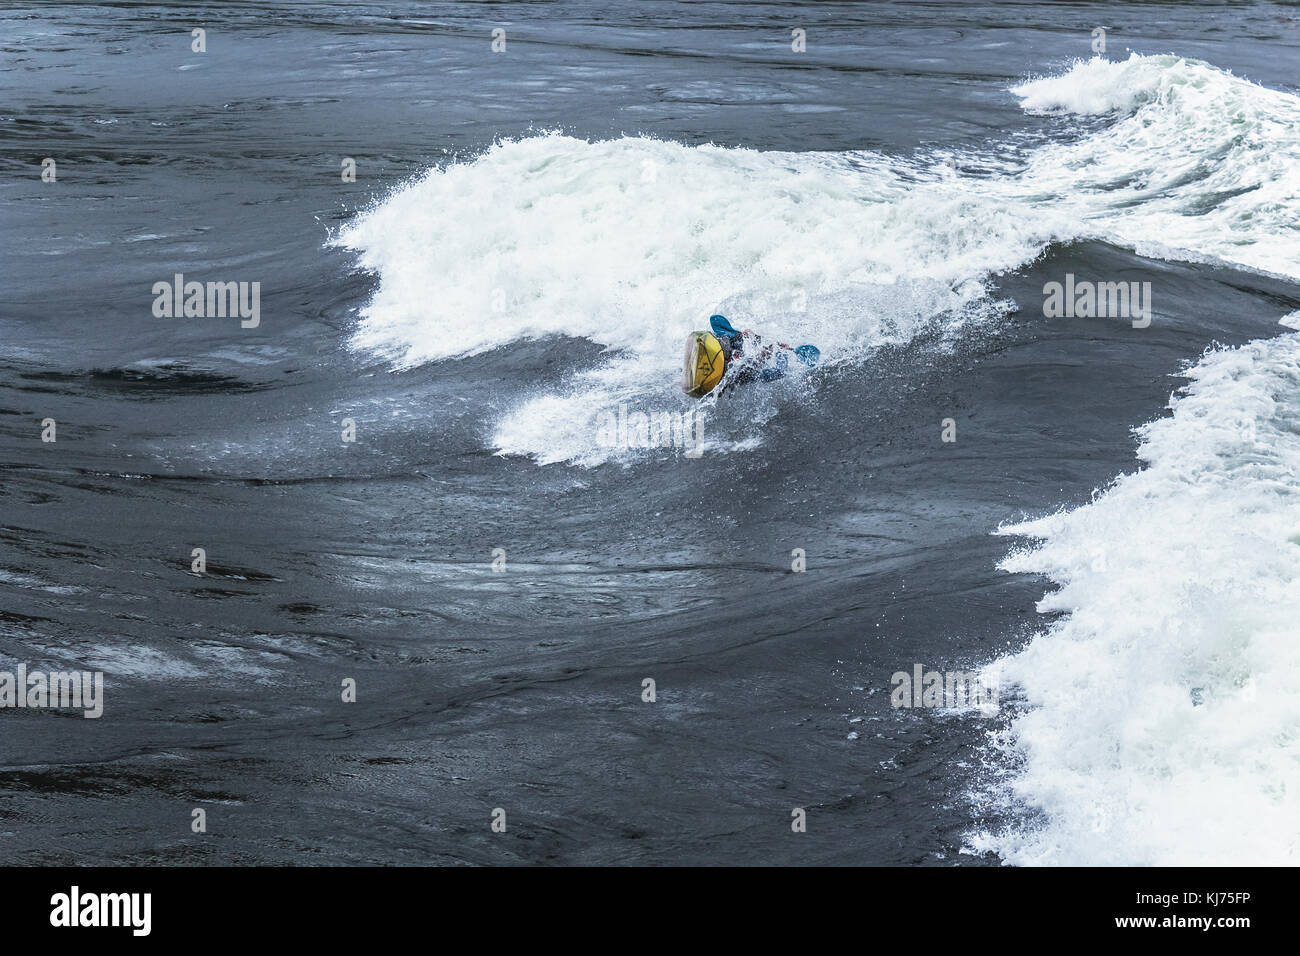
(372, 561)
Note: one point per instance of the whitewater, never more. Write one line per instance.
(630, 243)
(1158, 717)
(471, 262)
(1159, 722)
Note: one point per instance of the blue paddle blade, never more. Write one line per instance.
(810, 355)
(721, 326)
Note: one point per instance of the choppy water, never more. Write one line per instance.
(529, 236)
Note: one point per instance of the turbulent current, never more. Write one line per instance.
(400, 477)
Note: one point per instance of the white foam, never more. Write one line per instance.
(631, 243)
(1100, 85)
(1198, 163)
(1163, 721)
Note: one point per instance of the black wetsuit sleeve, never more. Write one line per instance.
(728, 343)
